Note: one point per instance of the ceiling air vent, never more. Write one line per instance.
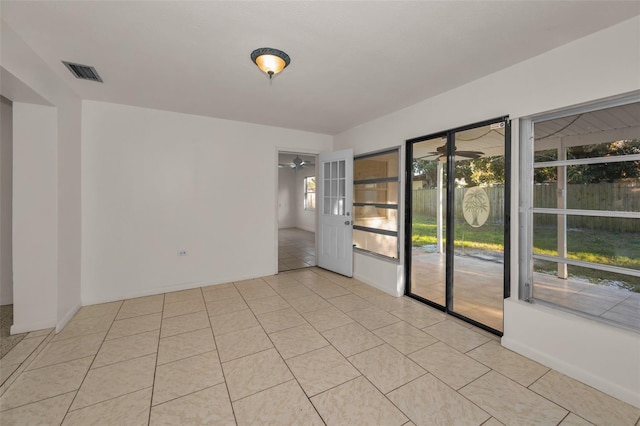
(83, 72)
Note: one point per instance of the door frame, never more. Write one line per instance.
(449, 217)
(285, 150)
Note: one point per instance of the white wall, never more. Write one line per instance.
(385, 275)
(286, 197)
(69, 208)
(601, 65)
(6, 185)
(155, 182)
(35, 233)
(27, 79)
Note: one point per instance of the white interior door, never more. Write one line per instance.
(335, 205)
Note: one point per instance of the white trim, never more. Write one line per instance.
(595, 160)
(167, 289)
(590, 213)
(589, 138)
(570, 370)
(555, 337)
(581, 263)
(33, 326)
(63, 322)
(590, 106)
(377, 255)
(514, 226)
(306, 228)
(526, 209)
(377, 286)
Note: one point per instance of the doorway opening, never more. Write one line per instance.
(457, 230)
(296, 211)
(7, 341)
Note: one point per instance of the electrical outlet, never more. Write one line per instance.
(182, 252)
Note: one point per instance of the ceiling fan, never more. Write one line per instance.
(297, 163)
(441, 152)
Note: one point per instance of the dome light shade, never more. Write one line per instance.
(270, 61)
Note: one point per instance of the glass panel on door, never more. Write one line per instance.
(429, 198)
(478, 222)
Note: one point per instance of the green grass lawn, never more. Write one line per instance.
(487, 237)
(598, 246)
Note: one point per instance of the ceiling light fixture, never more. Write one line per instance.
(270, 61)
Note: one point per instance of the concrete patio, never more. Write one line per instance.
(478, 291)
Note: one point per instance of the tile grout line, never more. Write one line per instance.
(29, 359)
(22, 367)
(87, 356)
(155, 364)
(349, 361)
(525, 387)
(188, 357)
(411, 381)
(106, 400)
(385, 394)
(224, 378)
(77, 391)
(289, 368)
(555, 402)
(405, 356)
(564, 418)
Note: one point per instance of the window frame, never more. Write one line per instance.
(306, 193)
(527, 210)
(388, 206)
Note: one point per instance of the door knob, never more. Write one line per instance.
(348, 222)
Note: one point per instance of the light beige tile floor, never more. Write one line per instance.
(8, 340)
(296, 249)
(305, 347)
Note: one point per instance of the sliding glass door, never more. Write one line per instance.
(458, 221)
(428, 227)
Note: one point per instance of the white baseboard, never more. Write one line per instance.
(32, 326)
(67, 317)
(372, 284)
(166, 289)
(571, 370)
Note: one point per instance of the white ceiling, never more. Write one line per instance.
(350, 61)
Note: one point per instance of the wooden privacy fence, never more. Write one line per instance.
(617, 196)
(425, 202)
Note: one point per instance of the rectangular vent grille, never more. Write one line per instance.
(83, 72)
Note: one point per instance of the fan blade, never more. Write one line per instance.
(469, 154)
(429, 154)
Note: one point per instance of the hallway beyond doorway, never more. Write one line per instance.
(296, 249)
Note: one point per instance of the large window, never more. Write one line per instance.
(310, 193)
(375, 203)
(583, 199)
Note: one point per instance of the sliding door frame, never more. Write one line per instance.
(449, 219)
